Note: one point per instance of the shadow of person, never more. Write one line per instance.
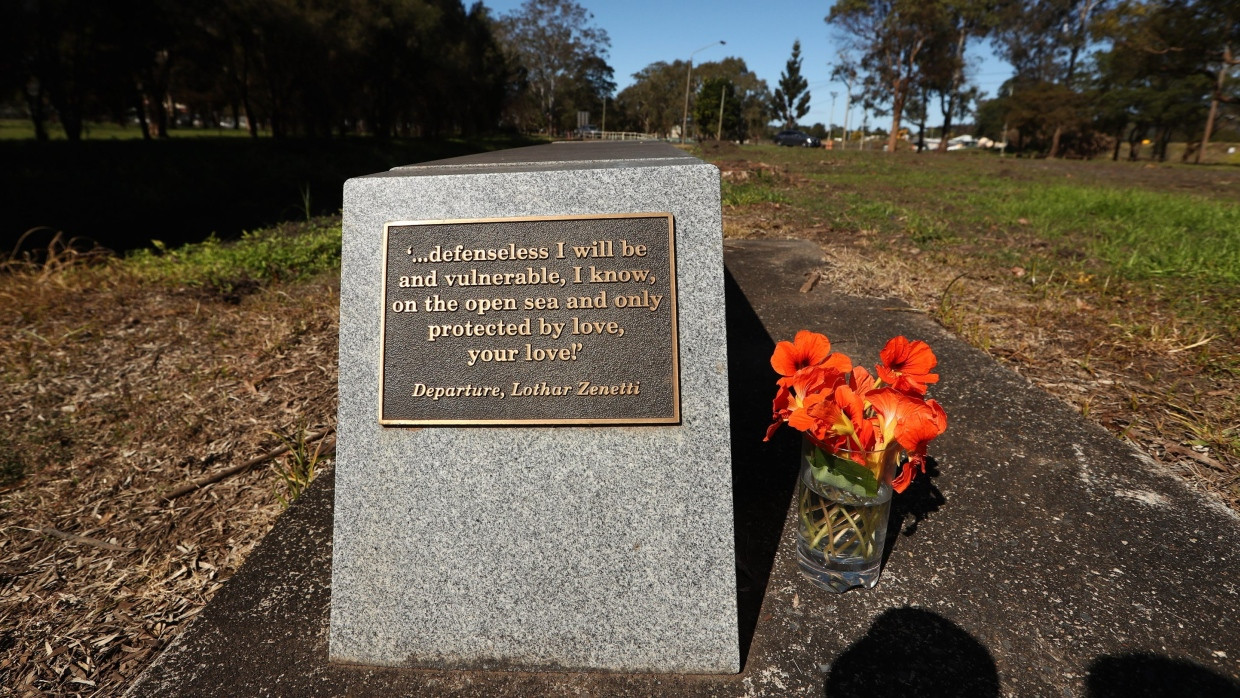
(1152, 676)
(912, 652)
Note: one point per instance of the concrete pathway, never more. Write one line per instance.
(1042, 557)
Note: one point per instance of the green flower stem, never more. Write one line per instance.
(837, 529)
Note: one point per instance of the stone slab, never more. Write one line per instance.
(1043, 557)
(537, 547)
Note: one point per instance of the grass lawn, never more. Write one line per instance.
(22, 129)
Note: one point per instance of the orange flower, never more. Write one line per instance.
(907, 365)
(793, 390)
(835, 419)
(911, 422)
(807, 349)
(841, 409)
(861, 381)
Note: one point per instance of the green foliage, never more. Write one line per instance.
(842, 473)
(748, 91)
(273, 254)
(297, 467)
(716, 93)
(385, 67)
(654, 102)
(791, 98)
(562, 56)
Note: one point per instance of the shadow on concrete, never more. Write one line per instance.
(1143, 675)
(763, 473)
(911, 652)
(921, 499)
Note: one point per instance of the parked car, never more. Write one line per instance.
(801, 138)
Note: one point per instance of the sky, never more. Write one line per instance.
(645, 31)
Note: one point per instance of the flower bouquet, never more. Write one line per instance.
(858, 431)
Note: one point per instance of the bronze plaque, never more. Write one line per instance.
(547, 320)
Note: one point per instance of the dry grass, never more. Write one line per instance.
(112, 392)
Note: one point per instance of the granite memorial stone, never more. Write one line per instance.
(533, 444)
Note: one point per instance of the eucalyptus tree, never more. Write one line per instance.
(652, 104)
(1045, 41)
(552, 39)
(1194, 42)
(750, 93)
(888, 36)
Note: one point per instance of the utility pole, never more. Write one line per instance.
(723, 93)
(684, 124)
(831, 121)
(847, 109)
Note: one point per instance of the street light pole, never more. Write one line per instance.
(684, 124)
(831, 123)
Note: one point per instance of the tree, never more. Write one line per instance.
(943, 64)
(791, 98)
(552, 39)
(750, 93)
(717, 93)
(889, 36)
(302, 67)
(847, 72)
(652, 104)
(1044, 40)
(585, 90)
(1188, 40)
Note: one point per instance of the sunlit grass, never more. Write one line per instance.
(23, 129)
(282, 253)
(1138, 233)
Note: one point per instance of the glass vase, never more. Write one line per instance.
(842, 518)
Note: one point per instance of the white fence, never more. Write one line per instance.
(618, 136)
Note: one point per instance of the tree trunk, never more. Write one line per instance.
(140, 109)
(1160, 143)
(70, 111)
(947, 124)
(1055, 142)
(921, 127)
(957, 78)
(34, 100)
(1134, 142)
(1119, 141)
(897, 110)
(1228, 61)
(160, 114)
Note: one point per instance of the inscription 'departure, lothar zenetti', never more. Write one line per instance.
(548, 320)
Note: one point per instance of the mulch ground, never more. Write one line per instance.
(112, 394)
